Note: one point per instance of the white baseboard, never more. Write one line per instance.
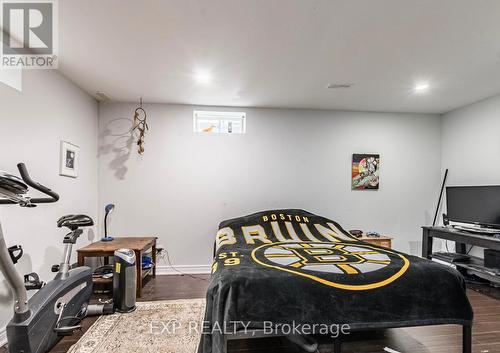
(187, 269)
(3, 336)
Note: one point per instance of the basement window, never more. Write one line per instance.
(219, 122)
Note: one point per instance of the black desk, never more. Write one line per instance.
(460, 238)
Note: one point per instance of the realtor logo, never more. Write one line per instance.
(29, 34)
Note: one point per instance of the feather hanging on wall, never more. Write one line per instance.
(141, 125)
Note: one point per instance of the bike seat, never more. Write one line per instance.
(73, 222)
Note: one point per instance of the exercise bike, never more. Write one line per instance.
(59, 306)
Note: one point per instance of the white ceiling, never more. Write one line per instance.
(283, 53)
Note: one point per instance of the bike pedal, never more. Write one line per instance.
(67, 331)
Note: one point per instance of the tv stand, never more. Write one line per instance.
(461, 239)
(478, 230)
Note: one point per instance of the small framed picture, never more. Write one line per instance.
(69, 160)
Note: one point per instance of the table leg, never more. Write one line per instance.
(426, 244)
(467, 339)
(154, 259)
(138, 262)
(81, 260)
(460, 248)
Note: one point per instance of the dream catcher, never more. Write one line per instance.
(141, 125)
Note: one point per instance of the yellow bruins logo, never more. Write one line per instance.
(340, 265)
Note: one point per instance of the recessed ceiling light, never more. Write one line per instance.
(421, 87)
(203, 76)
(339, 85)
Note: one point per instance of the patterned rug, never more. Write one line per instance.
(164, 326)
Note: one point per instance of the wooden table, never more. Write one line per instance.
(137, 244)
(382, 241)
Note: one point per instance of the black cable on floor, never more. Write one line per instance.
(180, 272)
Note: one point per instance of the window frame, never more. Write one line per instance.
(219, 116)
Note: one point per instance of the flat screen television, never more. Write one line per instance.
(479, 205)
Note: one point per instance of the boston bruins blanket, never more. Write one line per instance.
(291, 267)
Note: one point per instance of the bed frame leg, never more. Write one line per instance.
(337, 345)
(467, 339)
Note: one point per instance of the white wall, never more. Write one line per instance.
(471, 146)
(471, 143)
(186, 183)
(33, 122)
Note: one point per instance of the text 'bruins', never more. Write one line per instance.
(256, 234)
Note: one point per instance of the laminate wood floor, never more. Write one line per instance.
(430, 339)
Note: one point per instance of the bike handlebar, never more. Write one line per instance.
(53, 197)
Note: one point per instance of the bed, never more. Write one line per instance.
(290, 268)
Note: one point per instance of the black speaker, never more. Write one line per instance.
(446, 221)
(491, 258)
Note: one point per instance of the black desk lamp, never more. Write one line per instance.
(108, 209)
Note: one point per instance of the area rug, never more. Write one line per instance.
(172, 326)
